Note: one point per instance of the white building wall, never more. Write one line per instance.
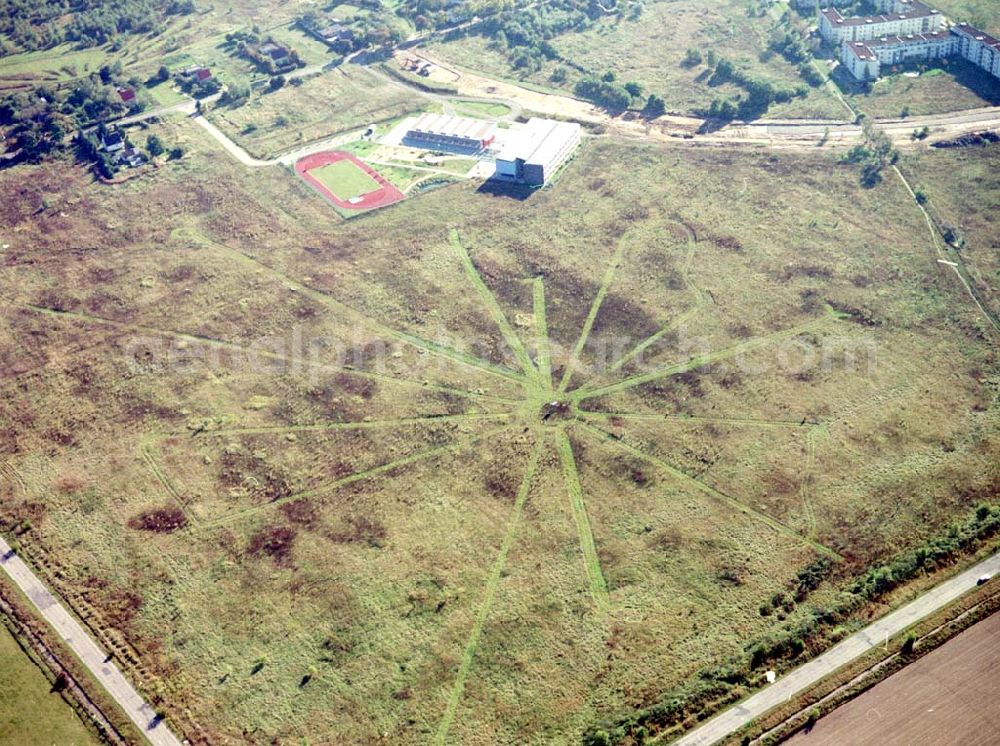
(838, 33)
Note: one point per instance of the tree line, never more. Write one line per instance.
(29, 25)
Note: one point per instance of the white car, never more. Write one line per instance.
(983, 579)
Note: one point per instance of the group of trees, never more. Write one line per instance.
(89, 150)
(758, 96)
(798, 47)
(40, 24)
(873, 155)
(42, 119)
(614, 96)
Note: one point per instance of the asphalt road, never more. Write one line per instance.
(93, 657)
(731, 720)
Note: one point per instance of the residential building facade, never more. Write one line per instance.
(899, 18)
(906, 31)
(978, 47)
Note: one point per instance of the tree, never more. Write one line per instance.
(692, 58)
(237, 93)
(559, 75)
(655, 107)
(61, 683)
(154, 145)
(104, 166)
(176, 153)
(609, 76)
(276, 82)
(634, 88)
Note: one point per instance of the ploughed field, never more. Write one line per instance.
(473, 469)
(949, 696)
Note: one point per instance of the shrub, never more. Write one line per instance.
(154, 145)
(692, 58)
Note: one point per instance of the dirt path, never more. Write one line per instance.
(840, 655)
(778, 134)
(88, 651)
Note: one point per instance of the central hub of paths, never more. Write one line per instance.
(553, 411)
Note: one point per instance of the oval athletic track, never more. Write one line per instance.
(388, 193)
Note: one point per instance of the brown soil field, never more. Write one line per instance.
(946, 697)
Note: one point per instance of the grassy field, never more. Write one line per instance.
(344, 179)
(944, 176)
(953, 87)
(30, 713)
(342, 99)
(982, 13)
(651, 50)
(183, 41)
(481, 109)
(310, 470)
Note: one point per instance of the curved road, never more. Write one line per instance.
(805, 676)
(93, 657)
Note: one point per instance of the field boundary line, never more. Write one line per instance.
(595, 307)
(682, 318)
(226, 345)
(147, 455)
(706, 359)
(693, 419)
(705, 489)
(489, 594)
(492, 305)
(351, 478)
(542, 341)
(335, 426)
(571, 477)
(957, 262)
(412, 339)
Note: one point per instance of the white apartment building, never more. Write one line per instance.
(978, 47)
(865, 58)
(899, 18)
(907, 31)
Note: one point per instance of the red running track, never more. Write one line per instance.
(387, 194)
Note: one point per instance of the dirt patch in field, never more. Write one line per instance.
(161, 521)
(275, 542)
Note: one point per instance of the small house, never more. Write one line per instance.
(132, 157)
(276, 52)
(112, 141)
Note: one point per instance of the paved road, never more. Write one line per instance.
(93, 657)
(287, 158)
(872, 636)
